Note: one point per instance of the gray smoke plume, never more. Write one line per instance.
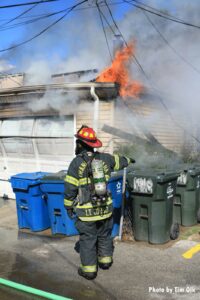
(60, 102)
(170, 59)
(169, 55)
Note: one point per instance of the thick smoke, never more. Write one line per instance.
(76, 43)
(172, 67)
(60, 102)
(171, 64)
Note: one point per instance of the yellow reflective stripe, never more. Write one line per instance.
(105, 259)
(88, 269)
(72, 180)
(128, 159)
(116, 168)
(95, 218)
(107, 177)
(84, 181)
(68, 202)
(90, 205)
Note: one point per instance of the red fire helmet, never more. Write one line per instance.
(88, 136)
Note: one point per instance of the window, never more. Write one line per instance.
(55, 128)
(16, 146)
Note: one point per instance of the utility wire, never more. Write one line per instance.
(44, 16)
(147, 77)
(18, 16)
(45, 29)
(169, 45)
(27, 3)
(162, 15)
(156, 10)
(117, 27)
(35, 19)
(112, 30)
(104, 30)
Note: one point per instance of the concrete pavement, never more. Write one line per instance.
(140, 271)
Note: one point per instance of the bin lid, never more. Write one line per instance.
(192, 169)
(117, 175)
(54, 177)
(29, 176)
(157, 175)
(23, 180)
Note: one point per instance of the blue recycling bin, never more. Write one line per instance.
(115, 185)
(32, 211)
(52, 187)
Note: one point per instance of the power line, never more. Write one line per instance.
(156, 10)
(112, 30)
(162, 15)
(35, 19)
(44, 16)
(117, 27)
(18, 16)
(104, 31)
(169, 45)
(147, 77)
(27, 3)
(45, 29)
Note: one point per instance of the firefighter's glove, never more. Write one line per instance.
(70, 213)
(132, 161)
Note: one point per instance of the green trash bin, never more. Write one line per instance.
(186, 202)
(152, 193)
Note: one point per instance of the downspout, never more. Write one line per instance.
(96, 108)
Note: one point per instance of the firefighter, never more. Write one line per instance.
(94, 212)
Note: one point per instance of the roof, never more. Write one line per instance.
(105, 91)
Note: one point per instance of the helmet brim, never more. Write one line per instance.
(96, 144)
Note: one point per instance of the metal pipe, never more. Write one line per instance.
(96, 108)
(122, 207)
(31, 290)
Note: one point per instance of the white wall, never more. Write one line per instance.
(34, 147)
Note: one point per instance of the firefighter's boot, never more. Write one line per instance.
(105, 266)
(87, 275)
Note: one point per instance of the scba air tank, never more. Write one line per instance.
(99, 180)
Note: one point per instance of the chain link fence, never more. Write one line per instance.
(128, 233)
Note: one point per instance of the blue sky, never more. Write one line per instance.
(14, 35)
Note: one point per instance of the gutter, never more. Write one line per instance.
(64, 86)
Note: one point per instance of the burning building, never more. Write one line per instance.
(38, 122)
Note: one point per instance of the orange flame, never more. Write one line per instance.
(119, 72)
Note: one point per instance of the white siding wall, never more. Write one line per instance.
(44, 152)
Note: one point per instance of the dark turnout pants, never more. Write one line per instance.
(95, 243)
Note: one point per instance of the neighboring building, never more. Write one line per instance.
(11, 80)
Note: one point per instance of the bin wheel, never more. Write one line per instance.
(174, 231)
(198, 215)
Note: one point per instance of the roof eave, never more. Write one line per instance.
(105, 91)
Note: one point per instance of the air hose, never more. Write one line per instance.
(31, 290)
